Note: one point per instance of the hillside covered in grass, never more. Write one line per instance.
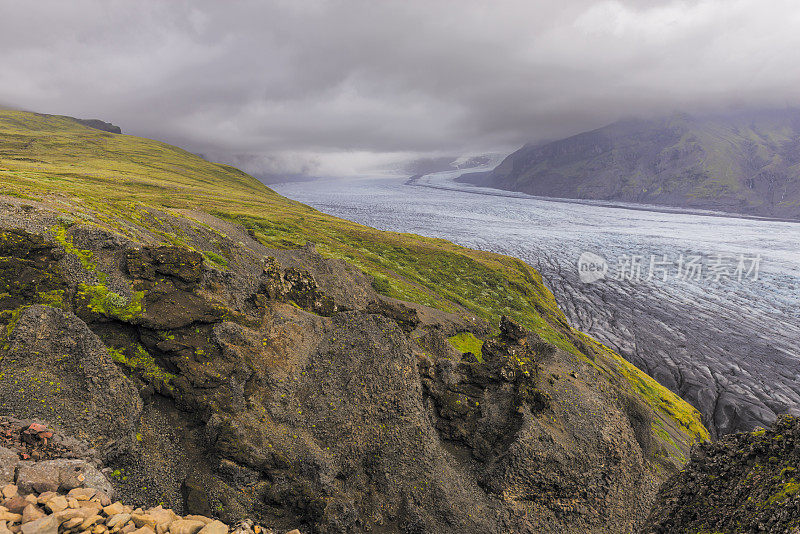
(303, 368)
(81, 168)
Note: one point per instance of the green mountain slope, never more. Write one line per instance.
(747, 162)
(297, 400)
(54, 157)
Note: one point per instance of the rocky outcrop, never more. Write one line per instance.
(36, 510)
(284, 388)
(97, 124)
(55, 368)
(746, 482)
(52, 483)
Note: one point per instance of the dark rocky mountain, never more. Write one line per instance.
(304, 398)
(745, 162)
(97, 124)
(747, 482)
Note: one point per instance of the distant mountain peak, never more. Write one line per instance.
(743, 161)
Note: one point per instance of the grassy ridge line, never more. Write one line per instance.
(114, 176)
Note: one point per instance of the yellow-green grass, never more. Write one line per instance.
(83, 170)
(467, 342)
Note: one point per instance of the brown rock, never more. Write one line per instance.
(82, 494)
(89, 521)
(46, 525)
(57, 504)
(16, 504)
(72, 523)
(91, 506)
(46, 496)
(10, 491)
(101, 497)
(10, 517)
(185, 526)
(114, 509)
(163, 517)
(144, 530)
(32, 513)
(40, 477)
(202, 518)
(214, 527)
(72, 513)
(144, 520)
(118, 519)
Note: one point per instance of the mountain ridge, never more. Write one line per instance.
(745, 162)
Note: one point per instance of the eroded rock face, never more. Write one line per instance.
(253, 392)
(29, 270)
(746, 482)
(56, 369)
(169, 278)
(481, 404)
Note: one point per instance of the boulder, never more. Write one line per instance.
(8, 464)
(57, 368)
(46, 525)
(215, 527)
(186, 526)
(65, 475)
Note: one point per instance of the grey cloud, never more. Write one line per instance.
(293, 87)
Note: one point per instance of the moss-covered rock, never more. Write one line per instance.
(745, 482)
(29, 271)
(56, 369)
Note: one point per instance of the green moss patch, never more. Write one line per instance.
(143, 364)
(467, 342)
(99, 299)
(216, 259)
(785, 491)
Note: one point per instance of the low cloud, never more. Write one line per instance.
(348, 87)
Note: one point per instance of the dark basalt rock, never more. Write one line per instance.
(97, 124)
(252, 391)
(170, 277)
(293, 284)
(56, 369)
(303, 290)
(746, 482)
(405, 316)
(480, 404)
(29, 270)
(182, 266)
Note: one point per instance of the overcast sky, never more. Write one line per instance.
(346, 87)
